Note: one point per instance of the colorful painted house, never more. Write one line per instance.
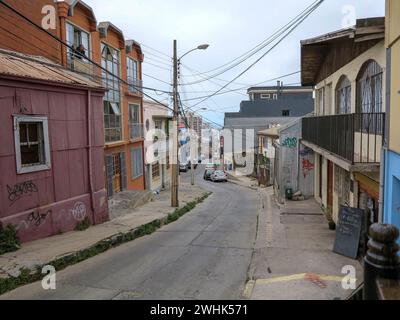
(52, 147)
(391, 177)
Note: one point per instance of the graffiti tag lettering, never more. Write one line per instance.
(19, 190)
(290, 142)
(79, 211)
(37, 218)
(305, 152)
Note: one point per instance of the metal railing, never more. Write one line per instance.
(134, 85)
(356, 137)
(136, 131)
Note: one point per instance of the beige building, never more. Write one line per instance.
(348, 70)
(156, 128)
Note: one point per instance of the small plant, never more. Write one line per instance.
(83, 225)
(8, 239)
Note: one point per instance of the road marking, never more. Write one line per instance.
(300, 276)
(248, 290)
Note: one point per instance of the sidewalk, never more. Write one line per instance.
(35, 254)
(243, 181)
(293, 258)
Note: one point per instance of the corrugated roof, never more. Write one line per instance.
(39, 68)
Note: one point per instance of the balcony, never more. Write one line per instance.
(356, 137)
(134, 85)
(136, 131)
(78, 64)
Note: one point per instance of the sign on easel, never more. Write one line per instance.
(348, 231)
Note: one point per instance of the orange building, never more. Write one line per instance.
(103, 43)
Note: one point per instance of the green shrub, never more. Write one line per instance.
(8, 239)
(83, 225)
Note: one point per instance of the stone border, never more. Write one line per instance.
(28, 276)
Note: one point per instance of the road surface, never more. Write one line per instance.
(204, 255)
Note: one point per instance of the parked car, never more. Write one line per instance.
(184, 166)
(208, 173)
(219, 175)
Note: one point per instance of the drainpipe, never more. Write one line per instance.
(90, 167)
(382, 184)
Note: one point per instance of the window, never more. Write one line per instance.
(328, 97)
(132, 74)
(79, 40)
(158, 124)
(369, 98)
(321, 100)
(343, 96)
(265, 96)
(369, 88)
(285, 113)
(31, 144)
(135, 127)
(112, 122)
(136, 163)
(155, 170)
(110, 62)
(275, 96)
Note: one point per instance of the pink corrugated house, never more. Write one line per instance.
(51, 147)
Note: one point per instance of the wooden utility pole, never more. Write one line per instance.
(175, 141)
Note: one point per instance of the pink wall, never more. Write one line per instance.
(54, 200)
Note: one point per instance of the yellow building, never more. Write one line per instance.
(348, 70)
(391, 179)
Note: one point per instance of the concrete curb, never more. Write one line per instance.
(244, 186)
(35, 274)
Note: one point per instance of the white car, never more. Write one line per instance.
(219, 175)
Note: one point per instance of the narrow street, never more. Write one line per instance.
(204, 255)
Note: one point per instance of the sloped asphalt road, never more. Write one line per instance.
(204, 255)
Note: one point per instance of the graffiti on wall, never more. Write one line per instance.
(19, 190)
(290, 142)
(34, 219)
(79, 211)
(307, 166)
(306, 152)
(37, 217)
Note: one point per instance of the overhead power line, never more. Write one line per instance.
(259, 47)
(288, 32)
(79, 54)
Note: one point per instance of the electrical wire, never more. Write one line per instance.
(268, 51)
(261, 46)
(78, 53)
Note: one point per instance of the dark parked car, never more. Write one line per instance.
(208, 173)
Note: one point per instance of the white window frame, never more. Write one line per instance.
(275, 96)
(46, 144)
(265, 96)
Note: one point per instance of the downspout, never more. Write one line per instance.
(90, 167)
(387, 136)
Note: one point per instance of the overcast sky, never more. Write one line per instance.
(231, 27)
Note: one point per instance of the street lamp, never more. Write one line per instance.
(175, 168)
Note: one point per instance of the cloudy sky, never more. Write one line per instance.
(231, 28)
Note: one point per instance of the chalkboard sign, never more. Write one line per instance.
(348, 231)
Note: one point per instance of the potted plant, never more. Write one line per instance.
(328, 214)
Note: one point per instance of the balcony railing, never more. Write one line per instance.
(134, 85)
(355, 137)
(136, 131)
